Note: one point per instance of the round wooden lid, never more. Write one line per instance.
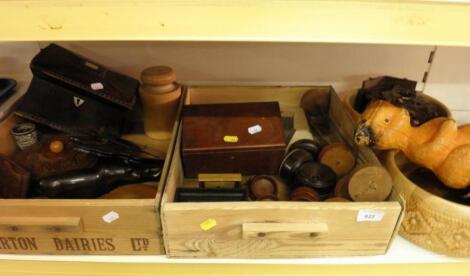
(338, 157)
(158, 75)
(262, 185)
(268, 198)
(304, 194)
(371, 183)
(342, 189)
(317, 176)
(337, 199)
(292, 161)
(312, 146)
(133, 191)
(56, 146)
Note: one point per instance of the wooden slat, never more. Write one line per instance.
(219, 177)
(76, 227)
(283, 230)
(41, 224)
(149, 268)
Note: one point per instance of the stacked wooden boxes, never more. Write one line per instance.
(222, 229)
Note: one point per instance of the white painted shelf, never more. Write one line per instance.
(401, 252)
(391, 22)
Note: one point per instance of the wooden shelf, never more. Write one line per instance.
(403, 258)
(391, 22)
(380, 22)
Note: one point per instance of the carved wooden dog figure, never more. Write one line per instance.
(439, 144)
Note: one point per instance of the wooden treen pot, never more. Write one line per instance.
(430, 221)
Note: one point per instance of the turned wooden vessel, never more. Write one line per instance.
(160, 96)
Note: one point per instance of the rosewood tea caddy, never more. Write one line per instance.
(246, 138)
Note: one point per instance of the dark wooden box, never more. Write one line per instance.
(73, 94)
(209, 132)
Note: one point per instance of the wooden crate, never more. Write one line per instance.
(275, 229)
(77, 227)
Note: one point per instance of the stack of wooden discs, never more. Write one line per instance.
(263, 188)
(365, 183)
(331, 173)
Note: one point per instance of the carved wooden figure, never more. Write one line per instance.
(439, 144)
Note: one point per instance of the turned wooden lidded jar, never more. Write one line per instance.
(160, 96)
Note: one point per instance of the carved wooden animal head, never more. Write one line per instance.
(383, 126)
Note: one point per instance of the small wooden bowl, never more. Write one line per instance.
(337, 199)
(268, 198)
(292, 161)
(261, 186)
(338, 157)
(312, 146)
(342, 188)
(132, 191)
(317, 176)
(304, 194)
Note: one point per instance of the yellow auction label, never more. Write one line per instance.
(208, 224)
(230, 139)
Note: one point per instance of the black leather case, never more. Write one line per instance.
(75, 95)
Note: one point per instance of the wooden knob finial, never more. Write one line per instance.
(56, 146)
(158, 75)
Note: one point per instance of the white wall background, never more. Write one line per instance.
(449, 80)
(344, 66)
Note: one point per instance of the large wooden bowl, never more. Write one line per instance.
(430, 221)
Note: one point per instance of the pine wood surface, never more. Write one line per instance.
(27, 268)
(70, 227)
(407, 22)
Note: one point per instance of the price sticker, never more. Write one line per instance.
(230, 139)
(97, 86)
(254, 129)
(208, 224)
(110, 217)
(369, 215)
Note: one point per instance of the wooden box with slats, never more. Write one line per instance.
(85, 226)
(276, 228)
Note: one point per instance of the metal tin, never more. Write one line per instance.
(25, 135)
